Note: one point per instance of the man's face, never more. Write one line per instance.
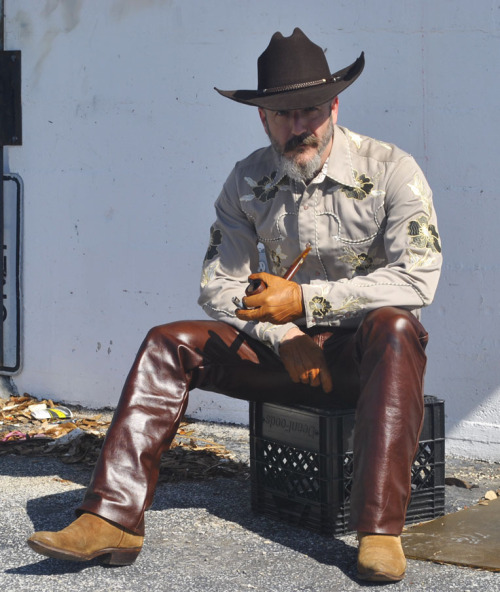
(302, 137)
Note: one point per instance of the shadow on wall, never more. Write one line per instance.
(463, 370)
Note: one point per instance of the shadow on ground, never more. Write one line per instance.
(228, 500)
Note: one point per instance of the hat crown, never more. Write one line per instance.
(291, 60)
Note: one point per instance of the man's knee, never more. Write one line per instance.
(394, 323)
(391, 319)
(177, 332)
(192, 334)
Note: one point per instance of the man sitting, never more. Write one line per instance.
(344, 332)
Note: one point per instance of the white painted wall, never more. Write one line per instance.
(126, 146)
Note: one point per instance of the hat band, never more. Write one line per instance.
(297, 86)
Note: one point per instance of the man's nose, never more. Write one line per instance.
(299, 123)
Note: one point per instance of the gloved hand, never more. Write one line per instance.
(279, 303)
(304, 360)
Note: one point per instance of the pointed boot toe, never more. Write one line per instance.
(380, 558)
(88, 537)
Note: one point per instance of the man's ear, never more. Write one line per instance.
(335, 109)
(262, 115)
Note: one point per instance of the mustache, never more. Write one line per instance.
(302, 140)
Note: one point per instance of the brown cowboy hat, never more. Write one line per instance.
(294, 74)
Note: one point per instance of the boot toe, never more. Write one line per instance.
(86, 538)
(380, 558)
(44, 544)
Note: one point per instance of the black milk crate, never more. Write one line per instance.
(301, 461)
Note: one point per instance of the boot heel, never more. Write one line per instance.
(122, 556)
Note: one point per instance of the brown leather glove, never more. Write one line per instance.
(279, 303)
(305, 361)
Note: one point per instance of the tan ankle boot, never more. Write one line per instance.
(380, 558)
(88, 537)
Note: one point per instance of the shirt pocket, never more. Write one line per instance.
(274, 221)
(353, 221)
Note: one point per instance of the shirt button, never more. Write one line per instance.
(318, 273)
(306, 207)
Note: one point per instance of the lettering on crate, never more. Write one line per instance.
(290, 426)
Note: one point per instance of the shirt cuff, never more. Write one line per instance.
(317, 308)
(272, 335)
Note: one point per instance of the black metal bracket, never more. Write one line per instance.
(10, 98)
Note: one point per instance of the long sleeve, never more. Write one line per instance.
(231, 257)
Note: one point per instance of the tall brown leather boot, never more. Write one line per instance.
(88, 537)
(380, 558)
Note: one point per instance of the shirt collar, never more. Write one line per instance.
(339, 163)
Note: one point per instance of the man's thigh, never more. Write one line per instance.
(239, 366)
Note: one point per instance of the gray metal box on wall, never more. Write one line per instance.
(10, 348)
(10, 98)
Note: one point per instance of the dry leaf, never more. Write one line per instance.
(65, 481)
(490, 495)
(80, 441)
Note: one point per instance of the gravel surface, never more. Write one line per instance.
(202, 536)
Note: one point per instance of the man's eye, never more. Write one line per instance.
(282, 113)
(310, 109)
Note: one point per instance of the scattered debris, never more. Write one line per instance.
(42, 411)
(490, 495)
(74, 439)
(456, 482)
(25, 418)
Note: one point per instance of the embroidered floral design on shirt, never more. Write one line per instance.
(215, 241)
(424, 235)
(277, 258)
(418, 188)
(266, 188)
(361, 263)
(416, 259)
(351, 307)
(356, 139)
(319, 306)
(208, 273)
(362, 187)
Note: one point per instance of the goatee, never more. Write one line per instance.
(302, 171)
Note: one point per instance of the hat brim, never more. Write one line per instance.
(299, 98)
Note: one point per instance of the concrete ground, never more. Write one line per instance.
(203, 536)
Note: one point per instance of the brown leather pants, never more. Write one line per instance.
(378, 368)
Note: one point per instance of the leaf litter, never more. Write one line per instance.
(79, 438)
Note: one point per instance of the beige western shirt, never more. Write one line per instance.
(368, 216)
